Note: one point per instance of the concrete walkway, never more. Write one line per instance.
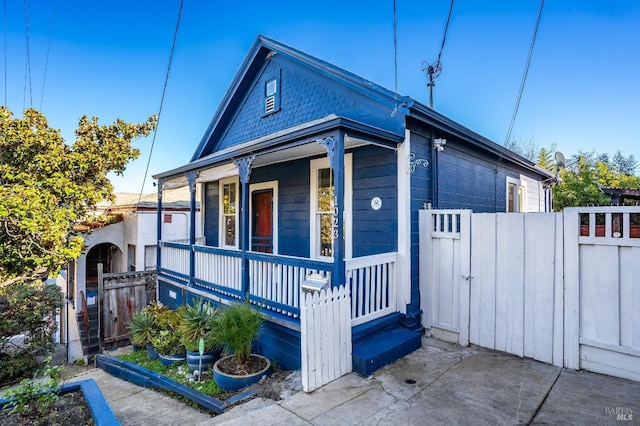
(438, 384)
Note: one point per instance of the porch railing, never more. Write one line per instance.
(174, 260)
(275, 280)
(372, 280)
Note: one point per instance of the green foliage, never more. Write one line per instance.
(46, 186)
(168, 339)
(34, 397)
(235, 328)
(143, 327)
(196, 322)
(581, 183)
(19, 358)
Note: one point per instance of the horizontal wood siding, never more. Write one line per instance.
(374, 175)
(211, 213)
(169, 294)
(281, 345)
(293, 207)
(469, 182)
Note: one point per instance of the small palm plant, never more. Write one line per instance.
(235, 328)
(195, 323)
(143, 327)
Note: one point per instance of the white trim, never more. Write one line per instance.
(273, 186)
(221, 233)
(314, 166)
(519, 184)
(404, 226)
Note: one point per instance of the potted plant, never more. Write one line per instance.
(142, 327)
(168, 340)
(196, 321)
(235, 328)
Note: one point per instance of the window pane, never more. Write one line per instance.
(326, 237)
(271, 87)
(512, 199)
(325, 190)
(230, 230)
(229, 198)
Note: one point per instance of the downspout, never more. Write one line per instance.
(434, 174)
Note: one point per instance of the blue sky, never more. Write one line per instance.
(109, 59)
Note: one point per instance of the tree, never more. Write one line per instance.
(46, 187)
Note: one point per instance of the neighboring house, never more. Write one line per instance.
(305, 168)
(126, 242)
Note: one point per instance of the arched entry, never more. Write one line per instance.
(105, 253)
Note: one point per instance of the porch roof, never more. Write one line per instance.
(288, 144)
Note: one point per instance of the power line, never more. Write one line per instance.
(5, 52)
(164, 90)
(395, 60)
(46, 62)
(27, 65)
(434, 70)
(524, 76)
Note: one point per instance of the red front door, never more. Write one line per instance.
(262, 221)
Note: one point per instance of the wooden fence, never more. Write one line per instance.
(325, 328)
(561, 288)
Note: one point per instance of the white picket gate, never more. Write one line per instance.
(561, 288)
(325, 329)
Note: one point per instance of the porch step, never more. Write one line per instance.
(383, 347)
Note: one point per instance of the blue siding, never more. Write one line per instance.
(211, 213)
(293, 204)
(420, 193)
(281, 345)
(468, 181)
(374, 175)
(305, 95)
(164, 289)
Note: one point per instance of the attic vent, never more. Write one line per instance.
(270, 104)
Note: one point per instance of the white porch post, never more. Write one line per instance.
(403, 269)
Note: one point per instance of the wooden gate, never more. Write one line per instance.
(444, 273)
(119, 296)
(325, 331)
(561, 288)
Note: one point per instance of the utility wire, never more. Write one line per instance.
(27, 65)
(164, 90)
(5, 52)
(395, 61)
(524, 76)
(446, 28)
(46, 62)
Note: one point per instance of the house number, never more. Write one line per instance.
(376, 203)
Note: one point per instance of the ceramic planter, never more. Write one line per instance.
(230, 382)
(208, 359)
(168, 360)
(152, 353)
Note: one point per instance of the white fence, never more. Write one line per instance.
(372, 280)
(557, 287)
(325, 330)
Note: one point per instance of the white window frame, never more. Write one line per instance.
(221, 215)
(519, 195)
(323, 163)
(273, 185)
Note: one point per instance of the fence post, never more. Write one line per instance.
(571, 290)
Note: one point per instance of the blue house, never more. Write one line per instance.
(309, 169)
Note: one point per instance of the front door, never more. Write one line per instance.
(262, 221)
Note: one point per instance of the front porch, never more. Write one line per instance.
(274, 281)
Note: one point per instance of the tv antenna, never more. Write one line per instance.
(433, 70)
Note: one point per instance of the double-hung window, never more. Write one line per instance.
(229, 219)
(516, 195)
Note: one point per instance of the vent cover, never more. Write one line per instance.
(270, 104)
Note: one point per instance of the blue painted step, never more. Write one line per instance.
(383, 347)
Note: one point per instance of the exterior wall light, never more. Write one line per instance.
(439, 143)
